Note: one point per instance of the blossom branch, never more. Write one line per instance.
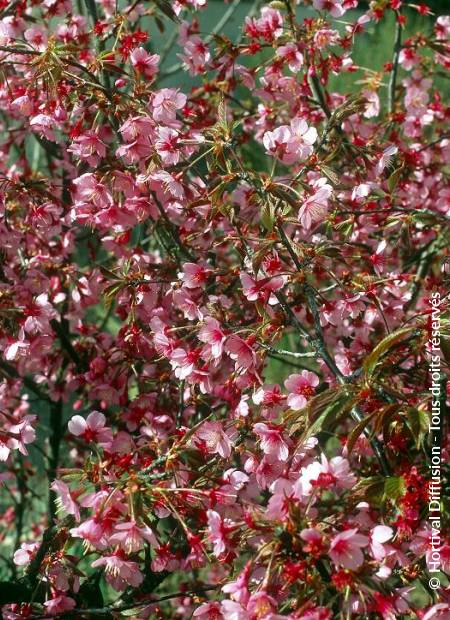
(395, 62)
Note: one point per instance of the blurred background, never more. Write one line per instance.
(373, 48)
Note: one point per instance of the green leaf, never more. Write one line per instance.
(92, 10)
(313, 408)
(384, 416)
(33, 152)
(160, 25)
(394, 488)
(222, 120)
(166, 7)
(132, 612)
(268, 216)
(261, 310)
(357, 431)
(345, 227)
(72, 475)
(382, 347)
(110, 293)
(260, 255)
(282, 194)
(377, 191)
(333, 412)
(395, 178)
(108, 273)
(418, 421)
(371, 489)
(330, 174)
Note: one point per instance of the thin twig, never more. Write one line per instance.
(318, 95)
(285, 352)
(12, 373)
(61, 330)
(425, 262)
(106, 611)
(14, 50)
(434, 142)
(180, 404)
(32, 570)
(395, 61)
(56, 426)
(288, 362)
(224, 20)
(172, 230)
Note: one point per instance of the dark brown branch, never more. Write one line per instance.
(395, 61)
(56, 426)
(12, 373)
(107, 611)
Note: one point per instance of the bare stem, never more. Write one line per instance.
(53, 459)
(394, 72)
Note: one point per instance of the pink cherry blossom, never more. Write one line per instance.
(194, 275)
(315, 207)
(208, 611)
(37, 37)
(291, 143)
(325, 37)
(301, 388)
(213, 437)
(378, 258)
(261, 289)
(120, 572)
(292, 55)
(144, 63)
(212, 335)
(440, 611)
(303, 137)
(131, 537)
(166, 103)
(25, 553)
(345, 549)
(238, 590)
(43, 124)
(271, 441)
(386, 158)
(91, 429)
(217, 532)
(60, 604)
(335, 7)
(373, 107)
(281, 500)
(22, 105)
(22, 433)
(66, 498)
(326, 474)
(241, 352)
(88, 147)
(167, 145)
(380, 534)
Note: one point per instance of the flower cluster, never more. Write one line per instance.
(214, 309)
